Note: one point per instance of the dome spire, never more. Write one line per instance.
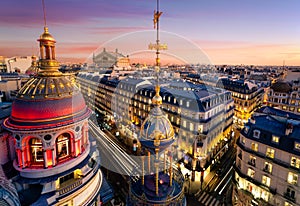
(48, 64)
(44, 12)
(157, 100)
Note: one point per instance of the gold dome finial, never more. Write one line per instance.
(46, 30)
(157, 100)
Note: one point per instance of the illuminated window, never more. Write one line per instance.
(292, 178)
(184, 123)
(177, 121)
(187, 104)
(270, 152)
(295, 162)
(36, 150)
(254, 147)
(250, 172)
(266, 180)
(275, 139)
(252, 160)
(200, 128)
(191, 126)
(268, 167)
(179, 110)
(63, 146)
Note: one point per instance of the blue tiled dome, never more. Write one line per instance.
(156, 131)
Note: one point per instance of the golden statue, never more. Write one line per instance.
(156, 17)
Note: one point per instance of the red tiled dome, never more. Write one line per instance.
(38, 106)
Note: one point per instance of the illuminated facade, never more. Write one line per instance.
(268, 160)
(196, 112)
(247, 97)
(49, 128)
(285, 96)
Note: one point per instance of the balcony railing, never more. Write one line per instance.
(70, 187)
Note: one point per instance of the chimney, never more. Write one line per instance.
(252, 120)
(289, 128)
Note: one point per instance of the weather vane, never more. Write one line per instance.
(157, 46)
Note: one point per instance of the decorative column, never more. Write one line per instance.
(19, 157)
(45, 158)
(165, 162)
(143, 170)
(171, 168)
(53, 157)
(23, 159)
(53, 52)
(42, 52)
(156, 164)
(149, 162)
(72, 146)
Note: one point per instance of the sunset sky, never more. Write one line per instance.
(258, 32)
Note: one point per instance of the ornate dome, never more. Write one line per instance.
(41, 103)
(156, 130)
(282, 87)
(48, 99)
(33, 69)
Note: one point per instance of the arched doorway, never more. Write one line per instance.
(63, 146)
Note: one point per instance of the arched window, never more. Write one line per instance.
(36, 151)
(63, 146)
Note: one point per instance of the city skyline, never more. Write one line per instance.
(251, 32)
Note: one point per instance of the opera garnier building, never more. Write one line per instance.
(48, 140)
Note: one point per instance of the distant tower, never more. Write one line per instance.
(33, 69)
(160, 183)
(49, 125)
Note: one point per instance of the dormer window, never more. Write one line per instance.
(187, 104)
(297, 145)
(256, 134)
(275, 139)
(246, 129)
